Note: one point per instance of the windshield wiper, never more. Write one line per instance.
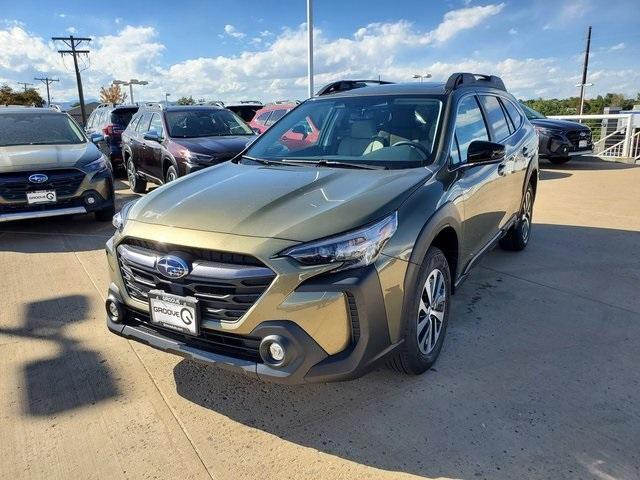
(264, 161)
(336, 164)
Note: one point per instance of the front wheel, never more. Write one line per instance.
(171, 174)
(426, 316)
(517, 238)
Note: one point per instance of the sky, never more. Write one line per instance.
(232, 50)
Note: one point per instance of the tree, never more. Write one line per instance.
(186, 101)
(571, 105)
(29, 97)
(112, 94)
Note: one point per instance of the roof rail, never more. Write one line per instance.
(345, 85)
(465, 79)
(153, 105)
(282, 102)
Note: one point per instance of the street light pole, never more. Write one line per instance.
(166, 99)
(310, 46)
(584, 70)
(421, 77)
(133, 81)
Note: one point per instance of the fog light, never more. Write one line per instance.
(91, 200)
(114, 311)
(276, 351)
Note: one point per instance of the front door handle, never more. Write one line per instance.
(525, 151)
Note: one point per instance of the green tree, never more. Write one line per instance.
(30, 97)
(186, 101)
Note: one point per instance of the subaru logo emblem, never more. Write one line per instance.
(583, 134)
(38, 178)
(171, 266)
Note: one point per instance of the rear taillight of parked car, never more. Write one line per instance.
(112, 130)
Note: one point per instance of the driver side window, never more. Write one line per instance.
(470, 126)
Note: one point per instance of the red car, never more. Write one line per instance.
(269, 114)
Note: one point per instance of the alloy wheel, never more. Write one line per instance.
(171, 176)
(131, 174)
(431, 311)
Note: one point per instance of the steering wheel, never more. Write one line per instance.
(418, 146)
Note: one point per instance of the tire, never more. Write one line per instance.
(416, 355)
(517, 238)
(136, 184)
(106, 214)
(171, 174)
(559, 160)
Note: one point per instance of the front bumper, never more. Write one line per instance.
(369, 338)
(94, 193)
(560, 146)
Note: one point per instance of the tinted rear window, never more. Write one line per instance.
(122, 116)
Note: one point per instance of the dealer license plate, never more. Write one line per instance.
(41, 196)
(174, 312)
(582, 144)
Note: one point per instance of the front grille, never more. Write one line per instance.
(225, 290)
(574, 137)
(232, 345)
(15, 185)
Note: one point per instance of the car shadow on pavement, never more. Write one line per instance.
(72, 378)
(587, 163)
(552, 175)
(520, 390)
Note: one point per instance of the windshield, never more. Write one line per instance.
(205, 123)
(38, 129)
(382, 131)
(531, 113)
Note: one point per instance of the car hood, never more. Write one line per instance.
(291, 203)
(216, 145)
(558, 124)
(35, 157)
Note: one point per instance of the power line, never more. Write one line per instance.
(48, 81)
(25, 85)
(73, 43)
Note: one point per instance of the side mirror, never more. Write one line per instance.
(153, 136)
(96, 138)
(481, 151)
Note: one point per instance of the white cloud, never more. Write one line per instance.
(72, 30)
(62, 15)
(118, 20)
(618, 46)
(277, 68)
(233, 32)
(513, 31)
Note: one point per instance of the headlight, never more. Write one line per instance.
(198, 158)
(120, 218)
(354, 249)
(97, 165)
(548, 131)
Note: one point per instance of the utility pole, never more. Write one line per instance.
(585, 67)
(48, 81)
(25, 85)
(73, 43)
(310, 46)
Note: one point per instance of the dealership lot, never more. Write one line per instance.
(538, 377)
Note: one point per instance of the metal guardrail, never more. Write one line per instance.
(615, 136)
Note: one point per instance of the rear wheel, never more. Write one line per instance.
(136, 184)
(517, 238)
(559, 160)
(427, 316)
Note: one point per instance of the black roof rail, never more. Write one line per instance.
(465, 79)
(346, 85)
(153, 105)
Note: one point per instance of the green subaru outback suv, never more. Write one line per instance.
(314, 260)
